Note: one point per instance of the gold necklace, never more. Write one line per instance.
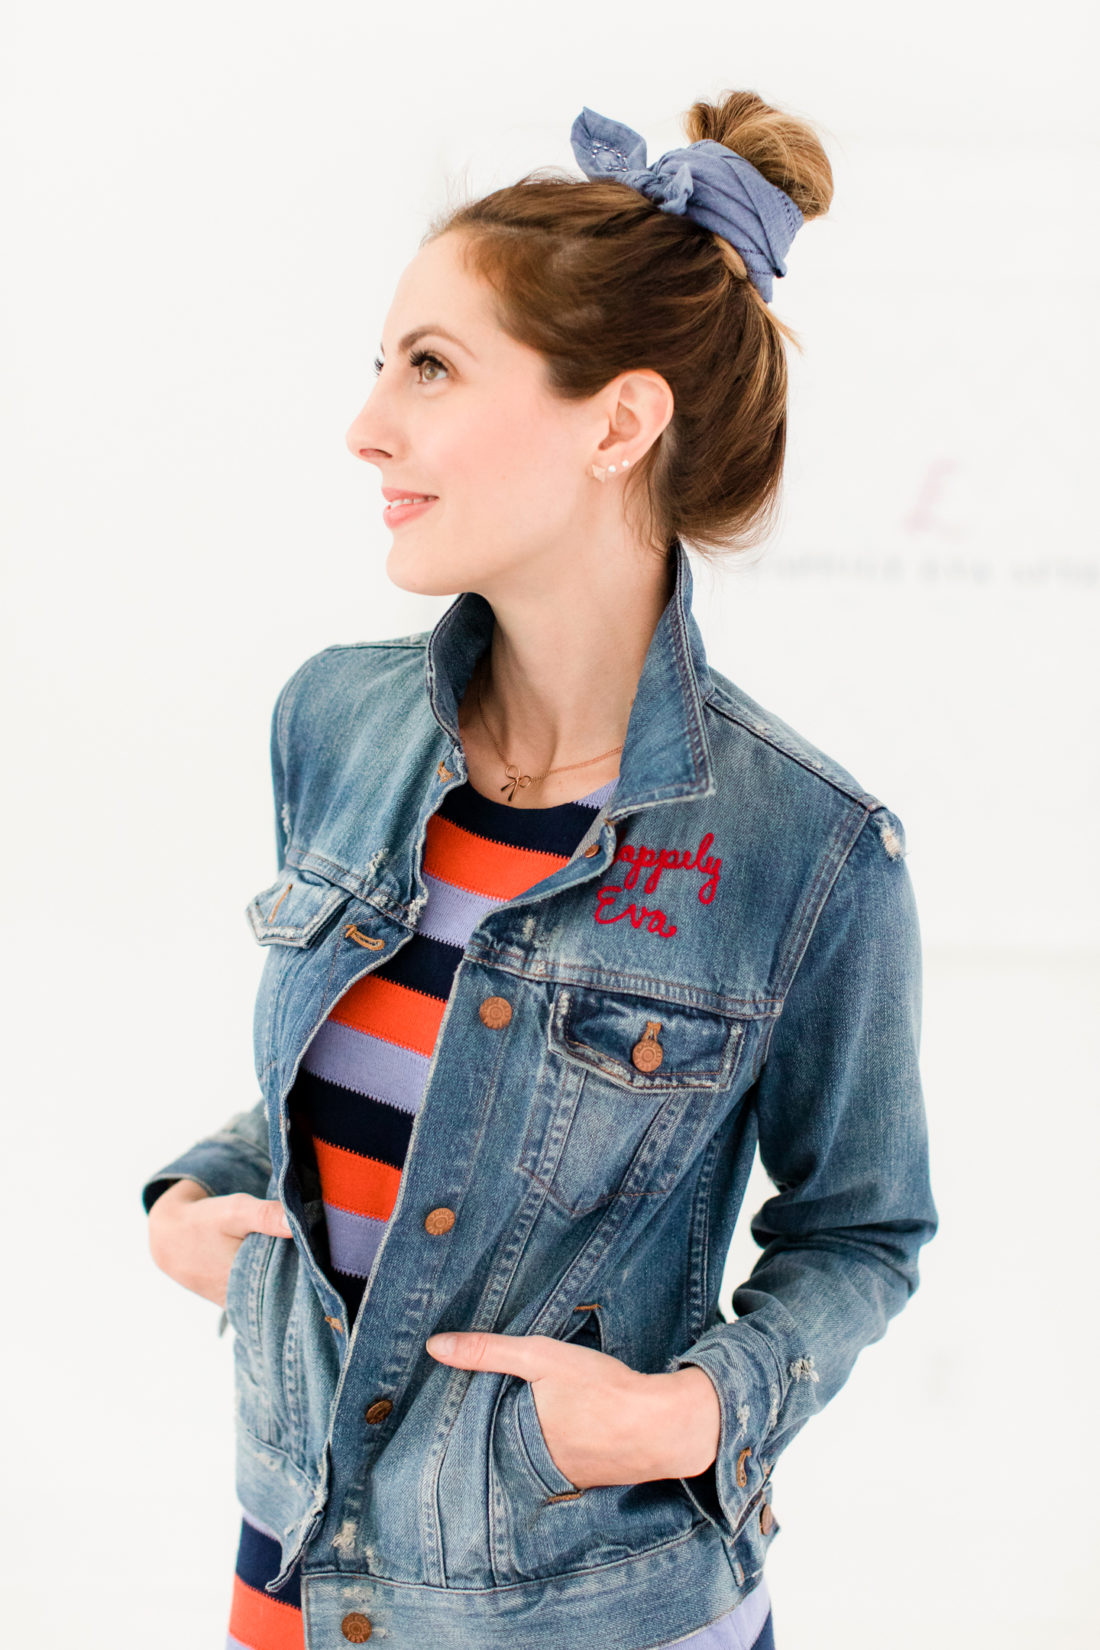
(517, 780)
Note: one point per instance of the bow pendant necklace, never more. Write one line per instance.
(518, 780)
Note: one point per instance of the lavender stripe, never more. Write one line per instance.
(451, 914)
(366, 1064)
(353, 1239)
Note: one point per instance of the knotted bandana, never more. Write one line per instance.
(706, 181)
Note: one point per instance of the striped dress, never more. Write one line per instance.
(358, 1089)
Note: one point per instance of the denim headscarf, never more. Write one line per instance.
(718, 189)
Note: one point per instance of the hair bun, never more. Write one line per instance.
(784, 148)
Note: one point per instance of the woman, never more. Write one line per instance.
(564, 927)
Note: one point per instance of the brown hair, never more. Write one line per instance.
(600, 280)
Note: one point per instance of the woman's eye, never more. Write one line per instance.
(418, 358)
(423, 357)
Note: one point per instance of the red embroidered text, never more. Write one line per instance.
(641, 858)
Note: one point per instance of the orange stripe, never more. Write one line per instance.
(482, 866)
(262, 1622)
(397, 1013)
(355, 1182)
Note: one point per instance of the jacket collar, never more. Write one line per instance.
(666, 756)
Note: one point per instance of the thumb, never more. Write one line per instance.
(527, 1355)
(271, 1218)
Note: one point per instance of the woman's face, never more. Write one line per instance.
(470, 419)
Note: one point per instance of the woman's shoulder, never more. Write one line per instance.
(783, 787)
(334, 676)
(743, 727)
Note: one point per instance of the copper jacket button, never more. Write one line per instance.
(767, 1518)
(379, 1410)
(439, 1220)
(592, 849)
(356, 1627)
(495, 1012)
(647, 1052)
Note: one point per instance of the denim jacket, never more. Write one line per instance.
(742, 904)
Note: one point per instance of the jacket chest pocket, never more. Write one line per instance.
(630, 1082)
(295, 909)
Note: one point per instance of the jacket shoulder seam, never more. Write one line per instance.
(770, 736)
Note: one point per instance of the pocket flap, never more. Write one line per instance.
(644, 1042)
(294, 909)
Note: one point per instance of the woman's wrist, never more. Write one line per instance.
(683, 1418)
(180, 1191)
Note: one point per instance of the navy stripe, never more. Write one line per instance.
(550, 830)
(425, 965)
(259, 1559)
(357, 1122)
(351, 1288)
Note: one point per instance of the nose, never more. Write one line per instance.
(358, 439)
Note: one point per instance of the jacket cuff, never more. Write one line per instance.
(749, 1392)
(219, 1165)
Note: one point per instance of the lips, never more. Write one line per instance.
(391, 494)
(397, 512)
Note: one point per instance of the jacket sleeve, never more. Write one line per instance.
(237, 1157)
(843, 1137)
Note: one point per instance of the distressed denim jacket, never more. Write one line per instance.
(740, 903)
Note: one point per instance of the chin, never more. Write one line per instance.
(420, 569)
(429, 565)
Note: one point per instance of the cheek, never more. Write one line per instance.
(505, 446)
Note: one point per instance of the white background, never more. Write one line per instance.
(207, 210)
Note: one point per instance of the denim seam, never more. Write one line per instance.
(511, 961)
(698, 1237)
(864, 798)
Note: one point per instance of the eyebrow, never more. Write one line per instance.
(410, 339)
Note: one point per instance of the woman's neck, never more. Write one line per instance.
(556, 686)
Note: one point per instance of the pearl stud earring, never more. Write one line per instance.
(601, 474)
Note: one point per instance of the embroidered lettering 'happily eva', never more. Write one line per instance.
(655, 861)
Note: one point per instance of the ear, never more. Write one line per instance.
(639, 405)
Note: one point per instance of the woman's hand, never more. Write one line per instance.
(604, 1423)
(194, 1237)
